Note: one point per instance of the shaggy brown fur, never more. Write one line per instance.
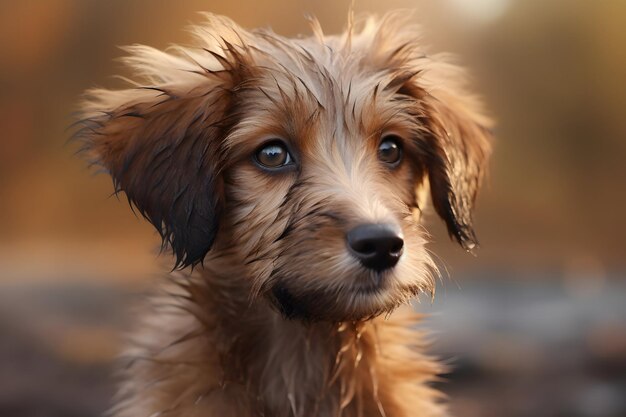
(275, 317)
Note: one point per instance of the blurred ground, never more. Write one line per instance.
(539, 326)
(517, 348)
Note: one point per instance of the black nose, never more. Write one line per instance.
(376, 246)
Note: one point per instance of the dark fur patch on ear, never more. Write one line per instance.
(458, 151)
(164, 152)
(452, 205)
(455, 150)
(163, 143)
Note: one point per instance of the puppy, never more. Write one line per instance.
(288, 176)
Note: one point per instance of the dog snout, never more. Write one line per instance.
(376, 246)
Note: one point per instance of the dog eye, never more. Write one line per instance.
(389, 150)
(273, 155)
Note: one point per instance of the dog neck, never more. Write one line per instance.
(207, 349)
(322, 368)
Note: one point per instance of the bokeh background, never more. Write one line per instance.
(533, 326)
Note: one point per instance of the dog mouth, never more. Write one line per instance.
(286, 303)
(355, 302)
(369, 289)
(374, 285)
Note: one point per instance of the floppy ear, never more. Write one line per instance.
(163, 147)
(457, 149)
(451, 132)
(454, 138)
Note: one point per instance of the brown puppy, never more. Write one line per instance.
(289, 174)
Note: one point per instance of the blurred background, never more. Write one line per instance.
(533, 326)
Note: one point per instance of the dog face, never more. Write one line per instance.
(300, 159)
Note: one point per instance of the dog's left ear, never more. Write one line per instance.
(458, 149)
(452, 134)
(456, 146)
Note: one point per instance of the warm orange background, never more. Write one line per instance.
(552, 212)
(551, 72)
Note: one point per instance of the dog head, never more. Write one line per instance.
(302, 159)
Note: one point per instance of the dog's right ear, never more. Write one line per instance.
(162, 145)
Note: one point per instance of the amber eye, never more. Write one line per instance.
(273, 155)
(389, 150)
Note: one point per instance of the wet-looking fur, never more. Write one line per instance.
(270, 314)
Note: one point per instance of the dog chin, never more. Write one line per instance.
(356, 304)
